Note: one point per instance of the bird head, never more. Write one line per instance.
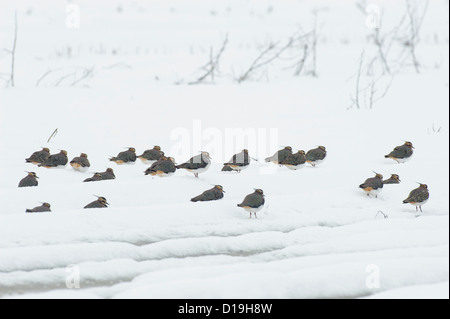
(63, 152)
(220, 188)
(409, 144)
(323, 148)
(396, 177)
(46, 205)
(102, 200)
(156, 147)
(46, 149)
(423, 185)
(259, 191)
(32, 174)
(288, 148)
(110, 170)
(302, 152)
(83, 155)
(378, 175)
(132, 149)
(206, 155)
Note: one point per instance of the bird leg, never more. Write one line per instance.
(421, 209)
(196, 175)
(417, 208)
(255, 216)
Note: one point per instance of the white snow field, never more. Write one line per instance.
(119, 76)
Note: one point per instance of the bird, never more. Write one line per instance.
(394, 179)
(126, 157)
(418, 197)
(295, 161)
(280, 156)
(254, 202)
(402, 154)
(197, 164)
(39, 156)
(45, 207)
(97, 177)
(151, 156)
(214, 193)
(165, 166)
(80, 163)
(316, 156)
(101, 202)
(107, 175)
(239, 161)
(55, 160)
(30, 180)
(373, 186)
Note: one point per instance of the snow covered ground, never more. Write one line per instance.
(121, 78)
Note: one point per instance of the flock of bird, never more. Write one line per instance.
(160, 165)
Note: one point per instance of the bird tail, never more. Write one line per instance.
(405, 201)
(195, 199)
(239, 205)
(362, 186)
(386, 156)
(28, 211)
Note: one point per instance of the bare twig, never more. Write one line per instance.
(53, 135)
(212, 66)
(356, 98)
(87, 73)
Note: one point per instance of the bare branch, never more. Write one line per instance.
(13, 51)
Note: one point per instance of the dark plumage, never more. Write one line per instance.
(39, 156)
(107, 175)
(29, 181)
(280, 156)
(101, 202)
(150, 156)
(295, 161)
(402, 153)
(394, 179)
(45, 207)
(254, 202)
(418, 197)
(227, 169)
(316, 155)
(239, 161)
(80, 163)
(128, 156)
(214, 193)
(55, 160)
(372, 186)
(197, 164)
(164, 167)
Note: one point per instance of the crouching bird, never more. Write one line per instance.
(214, 193)
(295, 161)
(394, 179)
(280, 156)
(165, 166)
(253, 203)
(239, 161)
(108, 174)
(30, 180)
(55, 160)
(151, 156)
(373, 186)
(402, 154)
(126, 157)
(418, 197)
(101, 202)
(316, 156)
(197, 164)
(45, 207)
(39, 156)
(80, 163)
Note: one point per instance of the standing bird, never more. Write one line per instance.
(295, 161)
(29, 181)
(316, 156)
(253, 203)
(197, 164)
(101, 202)
(45, 207)
(55, 160)
(280, 156)
(39, 156)
(402, 153)
(373, 186)
(80, 163)
(239, 161)
(151, 156)
(126, 157)
(418, 197)
(164, 167)
(394, 179)
(214, 193)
